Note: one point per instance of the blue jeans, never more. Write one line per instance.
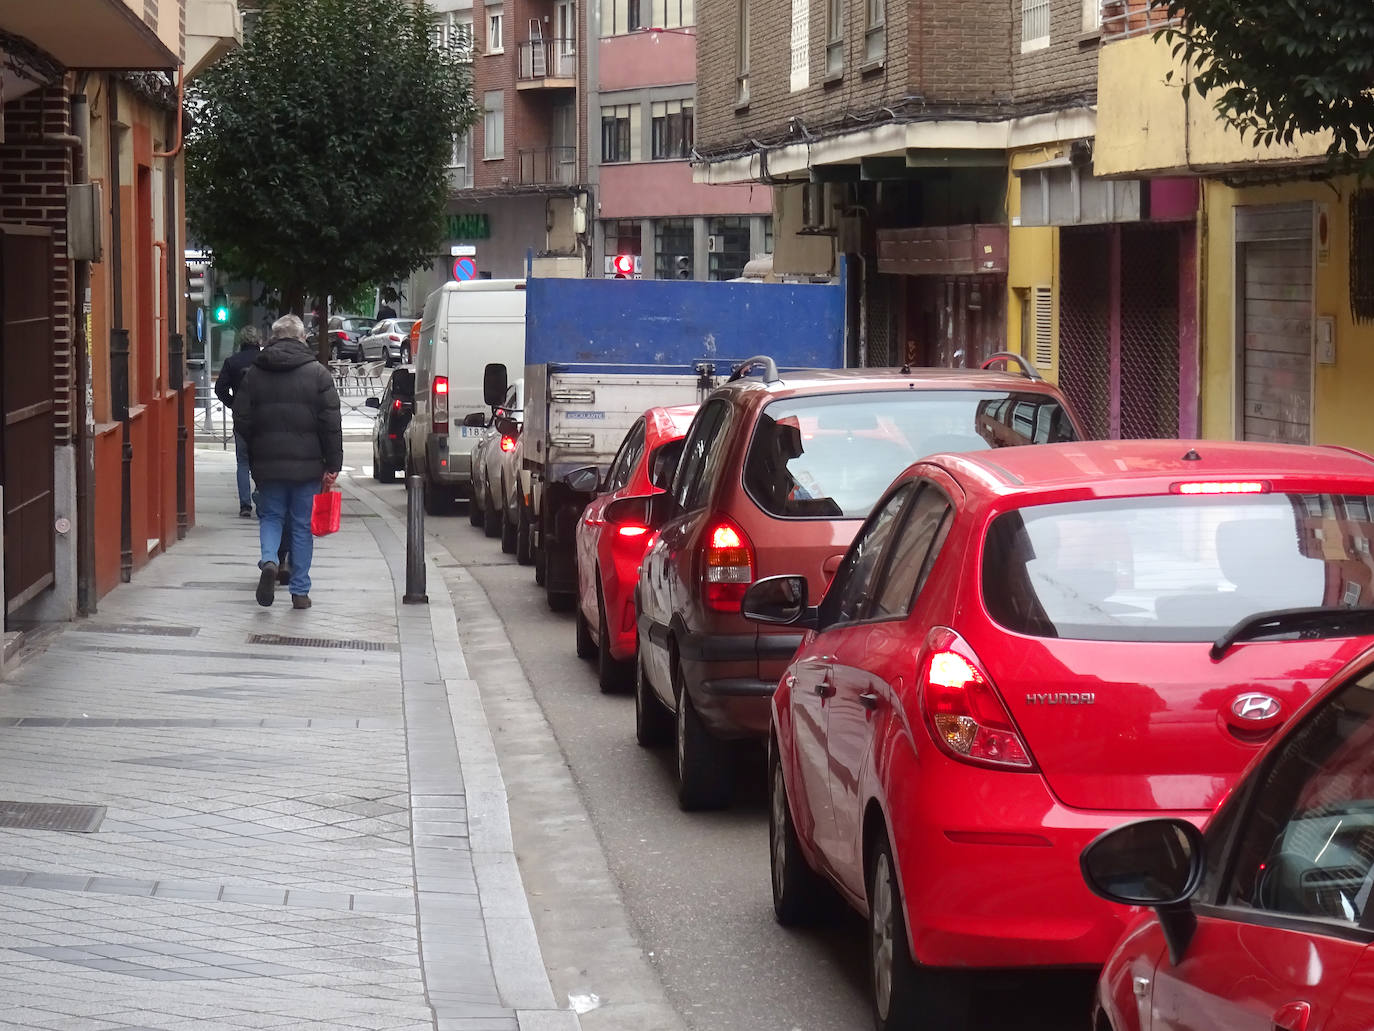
(281, 503)
(245, 478)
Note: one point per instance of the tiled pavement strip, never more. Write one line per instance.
(277, 814)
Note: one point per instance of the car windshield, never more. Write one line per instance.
(1175, 568)
(831, 456)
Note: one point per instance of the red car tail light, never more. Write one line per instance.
(728, 561)
(396, 405)
(966, 717)
(394, 337)
(1228, 487)
(632, 531)
(508, 444)
(440, 412)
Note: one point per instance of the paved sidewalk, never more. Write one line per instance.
(306, 826)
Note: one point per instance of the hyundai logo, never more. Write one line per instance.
(1255, 707)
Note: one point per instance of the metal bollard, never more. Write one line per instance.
(415, 542)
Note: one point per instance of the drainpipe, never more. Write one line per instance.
(82, 409)
(176, 347)
(119, 347)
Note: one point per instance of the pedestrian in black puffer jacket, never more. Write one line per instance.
(287, 412)
(231, 375)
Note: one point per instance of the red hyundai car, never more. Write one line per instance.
(608, 557)
(1024, 647)
(1264, 921)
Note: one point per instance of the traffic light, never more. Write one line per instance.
(683, 263)
(221, 310)
(199, 277)
(623, 265)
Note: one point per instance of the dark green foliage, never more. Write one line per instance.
(1281, 68)
(318, 155)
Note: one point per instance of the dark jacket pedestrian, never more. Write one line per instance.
(287, 412)
(230, 377)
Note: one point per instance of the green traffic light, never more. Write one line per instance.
(222, 314)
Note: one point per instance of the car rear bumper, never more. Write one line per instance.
(732, 678)
(984, 890)
(449, 468)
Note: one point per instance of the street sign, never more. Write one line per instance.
(464, 268)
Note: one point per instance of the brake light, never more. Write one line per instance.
(508, 444)
(440, 410)
(1225, 487)
(729, 567)
(632, 531)
(396, 337)
(396, 405)
(963, 711)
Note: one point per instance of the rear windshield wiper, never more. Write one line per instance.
(1307, 623)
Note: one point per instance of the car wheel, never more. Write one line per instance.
(612, 674)
(381, 472)
(586, 646)
(524, 551)
(558, 601)
(507, 529)
(541, 566)
(705, 774)
(491, 518)
(653, 723)
(334, 352)
(797, 889)
(904, 994)
(434, 500)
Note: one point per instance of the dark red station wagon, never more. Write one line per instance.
(777, 473)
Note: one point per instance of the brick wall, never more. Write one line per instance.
(941, 55)
(1064, 71)
(33, 191)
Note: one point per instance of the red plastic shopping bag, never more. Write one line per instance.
(325, 515)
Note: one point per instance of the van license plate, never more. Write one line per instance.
(470, 431)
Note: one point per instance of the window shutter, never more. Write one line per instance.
(1042, 305)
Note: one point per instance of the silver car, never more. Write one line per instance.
(388, 341)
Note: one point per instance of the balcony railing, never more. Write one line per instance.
(548, 59)
(548, 166)
(1123, 18)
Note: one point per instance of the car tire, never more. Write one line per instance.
(541, 566)
(434, 501)
(612, 674)
(507, 528)
(558, 601)
(586, 644)
(653, 723)
(705, 773)
(381, 472)
(334, 352)
(797, 889)
(904, 994)
(524, 548)
(491, 518)
(476, 515)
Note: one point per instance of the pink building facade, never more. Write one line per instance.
(641, 119)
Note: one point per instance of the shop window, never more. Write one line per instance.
(674, 247)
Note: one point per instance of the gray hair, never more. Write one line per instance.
(289, 326)
(249, 336)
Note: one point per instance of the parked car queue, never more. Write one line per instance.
(967, 666)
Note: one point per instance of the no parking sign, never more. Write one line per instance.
(464, 268)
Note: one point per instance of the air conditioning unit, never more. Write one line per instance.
(715, 244)
(817, 213)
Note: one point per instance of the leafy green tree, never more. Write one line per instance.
(1278, 69)
(317, 159)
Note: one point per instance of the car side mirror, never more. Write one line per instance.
(586, 480)
(628, 512)
(373, 402)
(1155, 863)
(478, 419)
(664, 464)
(779, 601)
(506, 425)
(494, 384)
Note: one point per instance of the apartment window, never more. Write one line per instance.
(1035, 25)
(727, 247)
(875, 32)
(620, 128)
(767, 234)
(621, 16)
(800, 70)
(672, 129)
(496, 38)
(674, 243)
(461, 162)
(1092, 15)
(742, 54)
(493, 124)
(672, 14)
(460, 36)
(834, 38)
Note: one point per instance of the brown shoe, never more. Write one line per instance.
(300, 601)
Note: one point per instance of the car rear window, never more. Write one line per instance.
(403, 383)
(831, 456)
(1175, 568)
(403, 326)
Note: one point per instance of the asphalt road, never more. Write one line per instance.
(695, 886)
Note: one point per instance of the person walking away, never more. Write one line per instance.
(386, 311)
(288, 413)
(230, 376)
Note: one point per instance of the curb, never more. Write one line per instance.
(517, 963)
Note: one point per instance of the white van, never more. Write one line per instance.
(465, 327)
